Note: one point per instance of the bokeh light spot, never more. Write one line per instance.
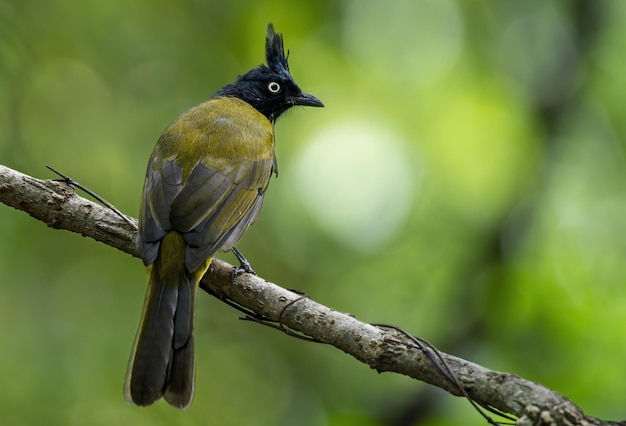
(358, 183)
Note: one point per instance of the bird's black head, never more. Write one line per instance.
(270, 88)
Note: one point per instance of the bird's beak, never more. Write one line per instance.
(305, 99)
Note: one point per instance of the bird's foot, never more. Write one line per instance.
(244, 266)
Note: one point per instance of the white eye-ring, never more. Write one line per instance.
(273, 87)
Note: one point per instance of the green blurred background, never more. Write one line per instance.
(465, 181)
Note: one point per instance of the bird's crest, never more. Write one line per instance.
(275, 52)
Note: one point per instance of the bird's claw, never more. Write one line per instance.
(241, 269)
(244, 266)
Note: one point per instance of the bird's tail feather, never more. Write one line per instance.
(162, 359)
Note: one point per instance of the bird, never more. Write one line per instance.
(204, 186)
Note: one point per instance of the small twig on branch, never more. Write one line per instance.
(438, 361)
(57, 205)
(68, 180)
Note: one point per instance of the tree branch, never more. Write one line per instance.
(56, 204)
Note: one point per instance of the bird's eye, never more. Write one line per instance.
(273, 87)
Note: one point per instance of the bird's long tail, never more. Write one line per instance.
(162, 360)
